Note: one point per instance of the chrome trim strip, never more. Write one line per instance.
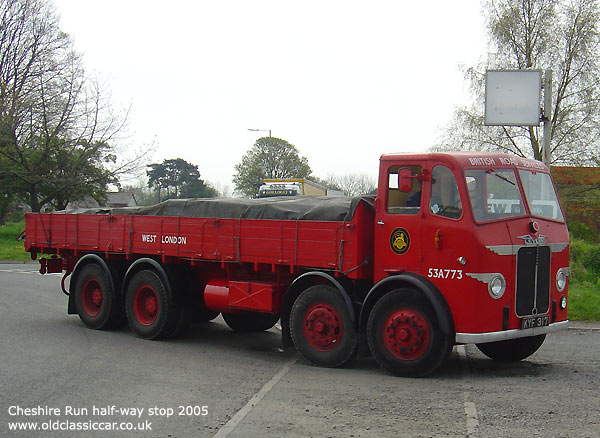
(480, 338)
(513, 249)
(504, 249)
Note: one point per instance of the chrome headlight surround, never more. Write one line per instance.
(495, 282)
(497, 286)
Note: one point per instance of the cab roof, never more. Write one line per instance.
(470, 159)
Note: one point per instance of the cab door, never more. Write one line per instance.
(398, 218)
(446, 233)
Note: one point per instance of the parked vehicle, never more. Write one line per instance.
(455, 248)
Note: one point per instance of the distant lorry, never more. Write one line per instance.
(454, 249)
(292, 187)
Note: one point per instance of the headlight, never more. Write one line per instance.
(561, 279)
(497, 286)
(563, 303)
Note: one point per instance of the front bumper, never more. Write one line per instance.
(481, 338)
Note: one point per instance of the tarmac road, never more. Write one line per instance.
(215, 383)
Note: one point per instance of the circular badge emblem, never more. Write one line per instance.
(399, 241)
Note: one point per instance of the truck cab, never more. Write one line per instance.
(488, 232)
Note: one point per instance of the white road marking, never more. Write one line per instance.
(19, 271)
(256, 398)
(469, 406)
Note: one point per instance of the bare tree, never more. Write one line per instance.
(55, 123)
(353, 184)
(561, 35)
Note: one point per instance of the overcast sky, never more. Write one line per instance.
(343, 81)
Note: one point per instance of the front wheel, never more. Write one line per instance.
(512, 350)
(321, 327)
(404, 335)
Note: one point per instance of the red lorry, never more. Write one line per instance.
(454, 248)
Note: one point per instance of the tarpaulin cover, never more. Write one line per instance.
(281, 208)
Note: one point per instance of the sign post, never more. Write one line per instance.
(547, 153)
(512, 98)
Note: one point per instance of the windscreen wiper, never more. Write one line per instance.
(499, 176)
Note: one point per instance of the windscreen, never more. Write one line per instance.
(494, 194)
(540, 195)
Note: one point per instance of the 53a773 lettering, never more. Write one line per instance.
(452, 274)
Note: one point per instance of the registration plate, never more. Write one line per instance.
(536, 321)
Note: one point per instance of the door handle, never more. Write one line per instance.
(380, 223)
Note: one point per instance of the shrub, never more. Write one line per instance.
(579, 230)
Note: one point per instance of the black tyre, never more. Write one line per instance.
(512, 350)
(322, 327)
(95, 299)
(150, 314)
(405, 336)
(250, 321)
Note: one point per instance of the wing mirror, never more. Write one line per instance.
(405, 179)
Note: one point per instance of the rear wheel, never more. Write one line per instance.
(404, 335)
(321, 327)
(95, 299)
(150, 314)
(250, 321)
(512, 350)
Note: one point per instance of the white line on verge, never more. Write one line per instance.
(256, 398)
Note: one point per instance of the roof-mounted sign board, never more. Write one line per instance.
(512, 97)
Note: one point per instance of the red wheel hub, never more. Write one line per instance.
(323, 327)
(145, 305)
(91, 297)
(406, 334)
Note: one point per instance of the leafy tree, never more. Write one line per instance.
(270, 157)
(179, 179)
(51, 114)
(561, 35)
(78, 172)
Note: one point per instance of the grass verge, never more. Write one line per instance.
(11, 249)
(584, 302)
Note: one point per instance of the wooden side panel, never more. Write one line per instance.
(339, 246)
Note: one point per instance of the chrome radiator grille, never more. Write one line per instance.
(533, 280)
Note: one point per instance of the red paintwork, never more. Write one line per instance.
(261, 242)
(216, 295)
(145, 305)
(254, 261)
(323, 327)
(91, 297)
(406, 334)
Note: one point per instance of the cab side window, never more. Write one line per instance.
(401, 201)
(444, 199)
